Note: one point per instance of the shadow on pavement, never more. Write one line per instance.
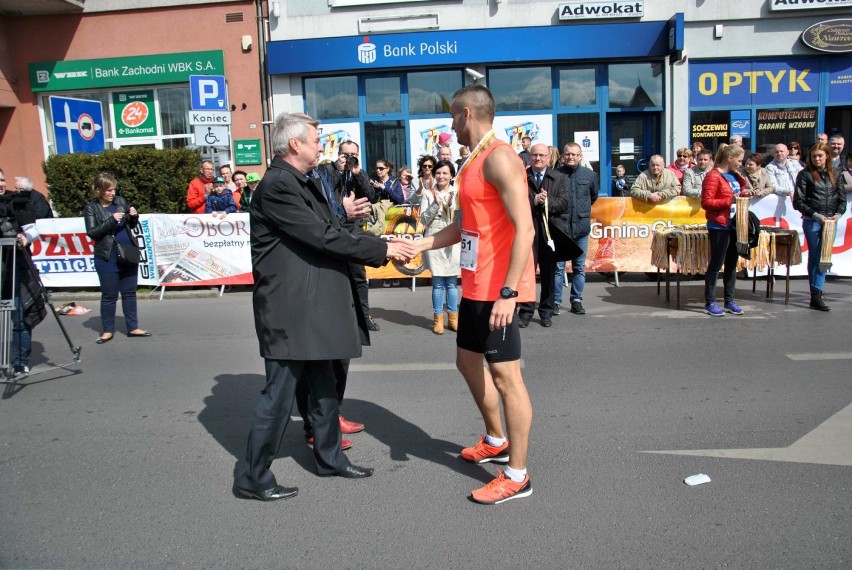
(403, 317)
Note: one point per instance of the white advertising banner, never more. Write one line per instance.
(332, 134)
(590, 143)
(512, 128)
(424, 136)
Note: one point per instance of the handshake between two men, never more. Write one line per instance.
(399, 249)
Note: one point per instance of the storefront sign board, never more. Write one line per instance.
(134, 114)
(764, 82)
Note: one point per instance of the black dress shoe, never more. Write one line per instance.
(523, 322)
(546, 322)
(273, 494)
(354, 472)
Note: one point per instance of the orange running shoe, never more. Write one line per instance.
(484, 453)
(605, 256)
(502, 489)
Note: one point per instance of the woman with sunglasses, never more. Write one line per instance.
(425, 173)
(796, 153)
(681, 164)
(386, 184)
(409, 190)
(437, 209)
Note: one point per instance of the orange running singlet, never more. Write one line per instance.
(487, 236)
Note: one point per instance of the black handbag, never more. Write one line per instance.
(563, 245)
(127, 254)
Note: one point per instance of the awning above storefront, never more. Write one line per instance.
(472, 47)
(40, 7)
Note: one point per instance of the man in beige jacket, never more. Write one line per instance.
(656, 184)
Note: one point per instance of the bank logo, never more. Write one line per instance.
(367, 52)
(42, 76)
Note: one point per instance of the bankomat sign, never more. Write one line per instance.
(754, 83)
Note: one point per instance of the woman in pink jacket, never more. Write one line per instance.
(720, 188)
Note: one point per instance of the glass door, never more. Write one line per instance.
(631, 139)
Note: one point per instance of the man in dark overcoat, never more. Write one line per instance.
(306, 309)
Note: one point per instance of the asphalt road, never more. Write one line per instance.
(126, 460)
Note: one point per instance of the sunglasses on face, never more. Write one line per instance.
(429, 166)
(683, 156)
(381, 168)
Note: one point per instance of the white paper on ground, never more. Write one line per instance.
(697, 479)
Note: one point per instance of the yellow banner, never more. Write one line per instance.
(402, 221)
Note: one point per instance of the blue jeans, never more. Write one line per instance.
(450, 285)
(22, 335)
(813, 236)
(112, 284)
(578, 273)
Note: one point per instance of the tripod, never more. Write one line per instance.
(11, 278)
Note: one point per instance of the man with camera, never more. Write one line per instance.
(22, 207)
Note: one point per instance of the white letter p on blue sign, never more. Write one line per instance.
(208, 92)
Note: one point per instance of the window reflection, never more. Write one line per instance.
(430, 92)
(383, 95)
(331, 97)
(636, 85)
(522, 88)
(577, 87)
(174, 110)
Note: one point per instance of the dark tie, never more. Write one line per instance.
(538, 180)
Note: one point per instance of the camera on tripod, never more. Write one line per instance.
(15, 211)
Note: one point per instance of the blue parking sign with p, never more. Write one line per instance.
(78, 125)
(208, 93)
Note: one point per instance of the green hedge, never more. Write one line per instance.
(152, 180)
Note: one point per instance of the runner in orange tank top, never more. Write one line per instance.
(496, 233)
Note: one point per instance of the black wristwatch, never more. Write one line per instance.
(508, 293)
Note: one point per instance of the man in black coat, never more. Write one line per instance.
(545, 186)
(582, 185)
(305, 306)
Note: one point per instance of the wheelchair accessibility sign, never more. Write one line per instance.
(77, 125)
(211, 135)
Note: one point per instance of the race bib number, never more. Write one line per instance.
(469, 249)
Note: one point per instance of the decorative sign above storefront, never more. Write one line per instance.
(597, 10)
(833, 36)
(780, 5)
(121, 71)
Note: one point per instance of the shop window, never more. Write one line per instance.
(384, 139)
(568, 124)
(712, 128)
(174, 110)
(331, 97)
(784, 125)
(577, 87)
(521, 88)
(430, 92)
(839, 120)
(383, 95)
(635, 85)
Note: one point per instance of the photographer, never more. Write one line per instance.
(22, 206)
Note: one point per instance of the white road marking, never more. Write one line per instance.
(406, 367)
(830, 443)
(821, 356)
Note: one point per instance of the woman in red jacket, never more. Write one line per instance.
(720, 188)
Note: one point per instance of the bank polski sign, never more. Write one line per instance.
(368, 52)
(597, 10)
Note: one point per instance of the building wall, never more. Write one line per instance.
(119, 34)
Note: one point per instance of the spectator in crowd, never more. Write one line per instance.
(437, 210)
(620, 186)
(697, 147)
(555, 158)
(464, 152)
(386, 185)
(835, 148)
(681, 164)
(294, 233)
(693, 178)
(846, 172)
(819, 196)
(239, 179)
(526, 143)
(760, 180)
(783, 170)
(221, 199)
(545, 186)
(796, 153)
(425, 173)
(737, 140)
(409, 190)
(656, 184)
(582, 186)
(225, 172)
(445, 153)
(252, 180)
(28, 309)
(720, 188)
(108, 222)
(822, 138)
(200, 187)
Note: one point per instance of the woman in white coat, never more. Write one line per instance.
(437, 209)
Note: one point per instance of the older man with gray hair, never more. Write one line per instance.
(782, 171)
(656, 184)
